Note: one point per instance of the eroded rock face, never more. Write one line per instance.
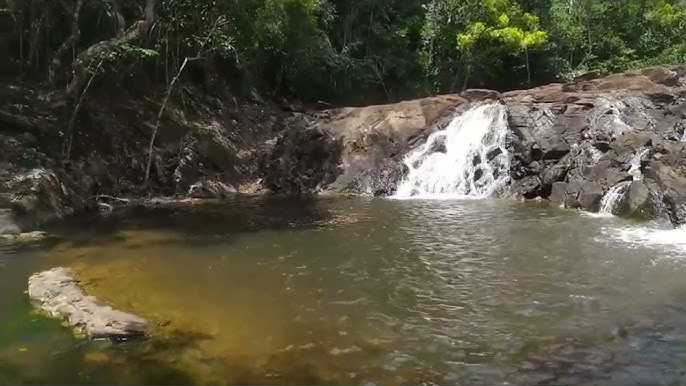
(570, 143)
(57, 292)
(584, 138)
(365, 146)
(303, 162)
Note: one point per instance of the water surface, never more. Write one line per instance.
(357, 291)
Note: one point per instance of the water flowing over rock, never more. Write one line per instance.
(467, 158)
(635, 169)
(612, 199)
(569, 143)
(57, 292)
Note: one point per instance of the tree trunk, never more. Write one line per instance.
(467, 73)
(528, 67)
(98, 50)
(68, 43)
(159, 119)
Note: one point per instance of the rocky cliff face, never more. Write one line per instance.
(569, 143)
(574, 142)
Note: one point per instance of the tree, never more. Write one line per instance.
(504, 26)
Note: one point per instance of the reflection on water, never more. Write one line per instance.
(356, 291)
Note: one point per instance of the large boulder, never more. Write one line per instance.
(57, 292)
(640, 202)
(357, 150)
(39, 196)
(8, 225)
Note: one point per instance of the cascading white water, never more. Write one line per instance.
(609, 118)
(467, 159)
(614, 196)
(635, 168)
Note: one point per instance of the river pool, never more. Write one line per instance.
(358, 291)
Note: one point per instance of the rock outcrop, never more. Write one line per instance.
(57, 292)
(579, 140)
(569, 143)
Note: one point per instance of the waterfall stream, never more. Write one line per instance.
(612, 199)
(466, 159)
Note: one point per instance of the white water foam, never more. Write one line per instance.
(671, 238)
(468, 159)
(609, 119)
(635, 169)
(613, 198)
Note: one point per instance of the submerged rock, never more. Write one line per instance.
(211, 189)
(25, 237)
(58, 293)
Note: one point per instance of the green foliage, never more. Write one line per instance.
(363, 51)
(609, 36)
(130, 50)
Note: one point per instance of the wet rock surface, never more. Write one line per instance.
(570, 143)
(584, 138)
(58, 293)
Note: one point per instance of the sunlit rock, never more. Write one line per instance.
(57, 292)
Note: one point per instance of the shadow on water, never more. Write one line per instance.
(204, 220)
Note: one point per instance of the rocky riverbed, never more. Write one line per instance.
(569, 143)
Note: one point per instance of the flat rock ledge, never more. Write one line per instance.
(58, 293)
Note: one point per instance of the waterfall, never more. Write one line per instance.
(635, 168)
(614, 196)
(608, 118)
(466, 159)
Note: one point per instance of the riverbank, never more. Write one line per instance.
(568, 143)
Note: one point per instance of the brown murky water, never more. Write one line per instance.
(351, 291)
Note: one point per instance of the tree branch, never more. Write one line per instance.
(77, 106)
(220, 22)
(98, 50)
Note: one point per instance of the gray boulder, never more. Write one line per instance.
(57, 292)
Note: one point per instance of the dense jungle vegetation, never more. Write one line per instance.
(337, 51)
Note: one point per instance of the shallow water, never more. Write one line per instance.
(357, 291)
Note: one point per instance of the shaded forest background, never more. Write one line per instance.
(333, 51)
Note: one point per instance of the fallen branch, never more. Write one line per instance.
(101, 196)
